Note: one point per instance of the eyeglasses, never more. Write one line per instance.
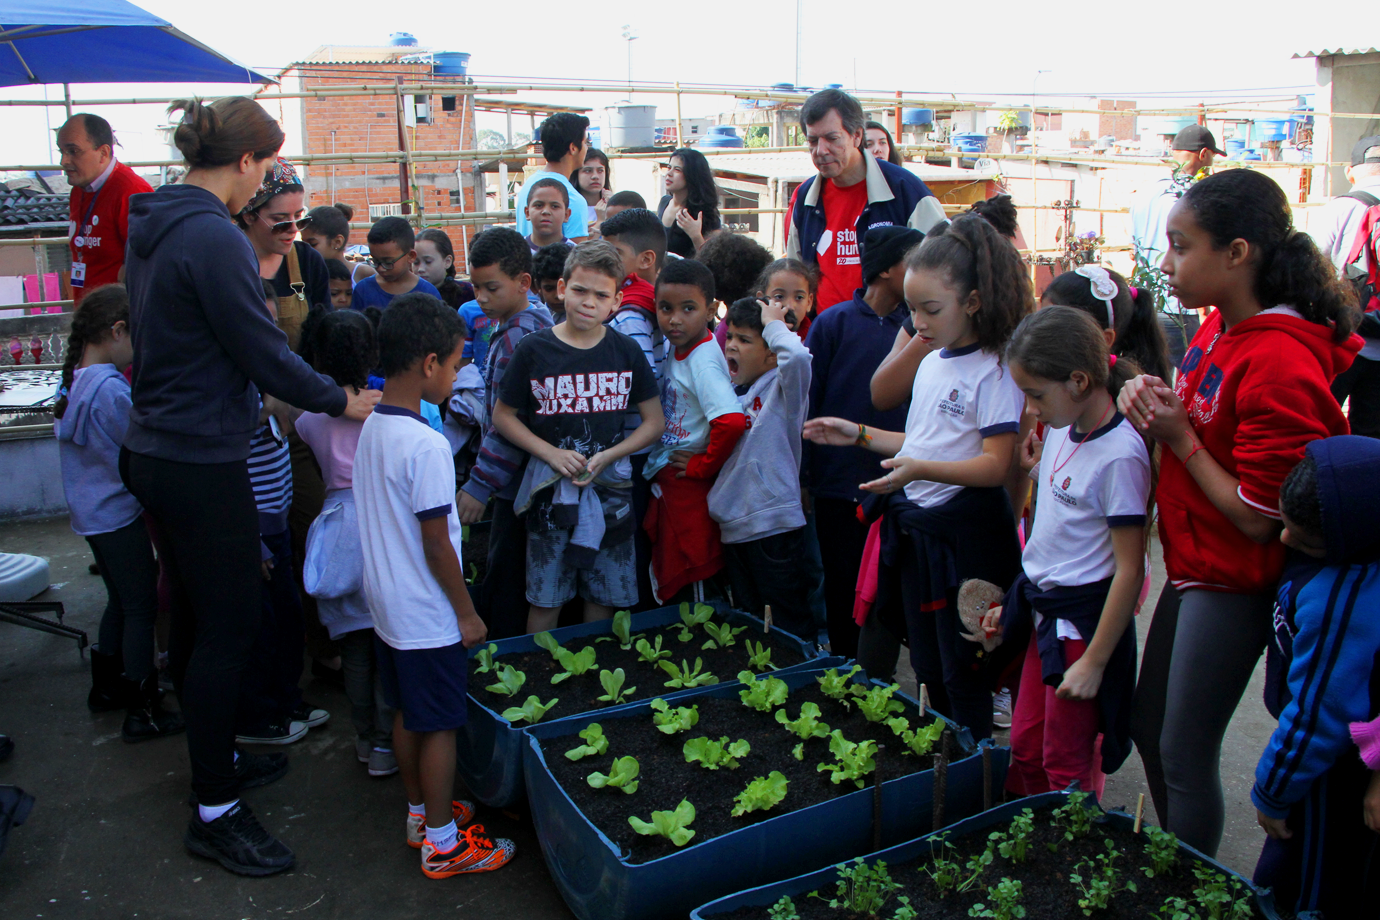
(384, 265)
(283, 226)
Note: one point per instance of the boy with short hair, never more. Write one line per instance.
(500, 269)
(564, 141)
(424, 620)
(1310, 784)
(548, 265)
(341, 287)
(548, 208)
(392, 246)
(703, 424)
(756, 497)
(563, 400)
(621, 201)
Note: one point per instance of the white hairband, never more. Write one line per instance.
(1103, 288)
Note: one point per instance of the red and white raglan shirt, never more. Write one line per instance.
(98, 225)
(1256, 394)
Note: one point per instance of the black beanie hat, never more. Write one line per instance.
(883, 247)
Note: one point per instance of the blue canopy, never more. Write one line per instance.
(104, 41)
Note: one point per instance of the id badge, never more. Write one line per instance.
(78, 274)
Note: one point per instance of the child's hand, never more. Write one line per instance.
(1031, 451)
(593, 468)
(569, 463)
(679, 460)
(266, 568)
(902, 470)
(1275, 827)
(991, 622)
(1371, 803)
(1154, 408)
(836, 432)
(773, 311)
(471, 509)
(1081, 681)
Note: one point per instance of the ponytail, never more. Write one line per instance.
(99, 311)
(1132, 317)
(1057, 341)
(1241, 204)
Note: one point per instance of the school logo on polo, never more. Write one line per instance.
(578, 394)
(1062, 495)
(953, 406)
(1067, 481)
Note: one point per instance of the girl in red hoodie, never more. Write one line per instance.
(1253, 390)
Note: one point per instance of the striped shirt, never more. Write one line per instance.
(270, 475)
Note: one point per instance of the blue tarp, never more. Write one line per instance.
(104, 41)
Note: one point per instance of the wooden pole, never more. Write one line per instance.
(897, 131)
(680, 127)
(404, 168)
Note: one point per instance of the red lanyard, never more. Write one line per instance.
(1059, 466)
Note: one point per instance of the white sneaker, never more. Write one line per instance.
(382, 762)
(363, 748)
(1001, 709)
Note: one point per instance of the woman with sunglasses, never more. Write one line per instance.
(271, 220)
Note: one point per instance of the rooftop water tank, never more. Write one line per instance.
(721, 136)
(1272, 130)
(451, 63)
(917, 117)
(631, 125)
(402, 40)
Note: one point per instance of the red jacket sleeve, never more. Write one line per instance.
(724, 433)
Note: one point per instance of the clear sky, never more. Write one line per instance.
(1114, 50)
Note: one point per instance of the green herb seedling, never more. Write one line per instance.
(1075, 817)
(976, 865)
(1163, 849)
(1102, 882)
(1003, 902)
(835, 685)
(595, 743)
(622, 775)
(673, 825)
(651, 653)
(943, 869)
(573, 663)
(862, 890)
(547, 641)
(530, 712)
(702, 614)
(622, 628)
(1224, 899)
(674, 721)
(612, 682)
(921, 741)
(684, 678)
(762, 695)
(510, 681)
(761, 794)
(759, 658)
(903, 909)
(854, 761)
(798, 752)
(1015, 843)
(715, 754)
(877, 705)
(807, 726)
(783, 909)
(721, 635)
(485, 657)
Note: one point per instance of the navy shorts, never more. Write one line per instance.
(428, 685)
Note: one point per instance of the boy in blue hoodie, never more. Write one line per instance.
(756, 497)
(1310, 782)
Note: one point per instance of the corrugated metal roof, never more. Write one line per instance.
(798, 166)
(24, 207)
(1326, 53)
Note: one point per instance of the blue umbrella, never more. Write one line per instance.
(104, 41)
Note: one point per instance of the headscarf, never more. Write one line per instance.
(281, 178)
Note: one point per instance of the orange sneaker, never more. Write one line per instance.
(474, 851)
(462, 810)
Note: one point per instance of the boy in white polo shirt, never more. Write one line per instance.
(404, 482)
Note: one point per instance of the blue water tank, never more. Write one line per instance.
(451, 63)
(970, 142)
(783, 87)
(402, 40)
(1250, 155)
(917, 117)
(1272, 130)
(1235, 145)
(721, 136)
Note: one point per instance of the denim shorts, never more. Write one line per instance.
(551, 581)
(427, 684)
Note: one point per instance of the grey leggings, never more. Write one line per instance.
(1199, 656)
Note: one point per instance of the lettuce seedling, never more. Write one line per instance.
(574, 663)
(651, 653)
(854, 760)
(673, 825)
(876, 703)
(762, 695)
(684, 678)
(807, 726)
(530, 711)
(622, 775)
(674, 721)
(761, 794)
(547, 641)
(485, 657)
(595, 743)
(622, 628)
(835, 685)
(715, 754)
(510, 681)
(721, 635)
(759, 659)
(612, 682)
(702, 614)
(919, 742)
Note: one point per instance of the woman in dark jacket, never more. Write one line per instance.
(690, 208)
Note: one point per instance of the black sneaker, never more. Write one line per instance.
(279, 732)
(6, 748)
(310, 715)
(238, 842)
(253, 770)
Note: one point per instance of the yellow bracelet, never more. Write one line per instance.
(863, 437)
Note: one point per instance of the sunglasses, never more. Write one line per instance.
(283, 226)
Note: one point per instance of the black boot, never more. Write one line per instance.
(109, 689)
(148, 719)
(15, 805)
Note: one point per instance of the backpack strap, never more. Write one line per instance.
(1366, 198)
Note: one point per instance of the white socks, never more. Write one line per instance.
(442, 839)
(210, 813)
(416, 809)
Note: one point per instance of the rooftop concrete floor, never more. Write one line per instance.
(105, 838)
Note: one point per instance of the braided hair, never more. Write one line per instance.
(91, 324)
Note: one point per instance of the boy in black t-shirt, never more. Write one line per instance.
(563, 399)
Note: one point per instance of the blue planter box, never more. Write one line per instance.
(488, 753)
(919, 850)
(598, 883)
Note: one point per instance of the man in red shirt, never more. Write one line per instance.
(99, 209)
(853, 193)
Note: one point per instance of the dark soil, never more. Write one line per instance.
(1046, 892)
(666, 778)
(476, 553)
(581, 694)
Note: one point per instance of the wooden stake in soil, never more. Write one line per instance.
(924, 699)
(766, 618)
(986, 777)
(941, 789)
(1140, 811)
